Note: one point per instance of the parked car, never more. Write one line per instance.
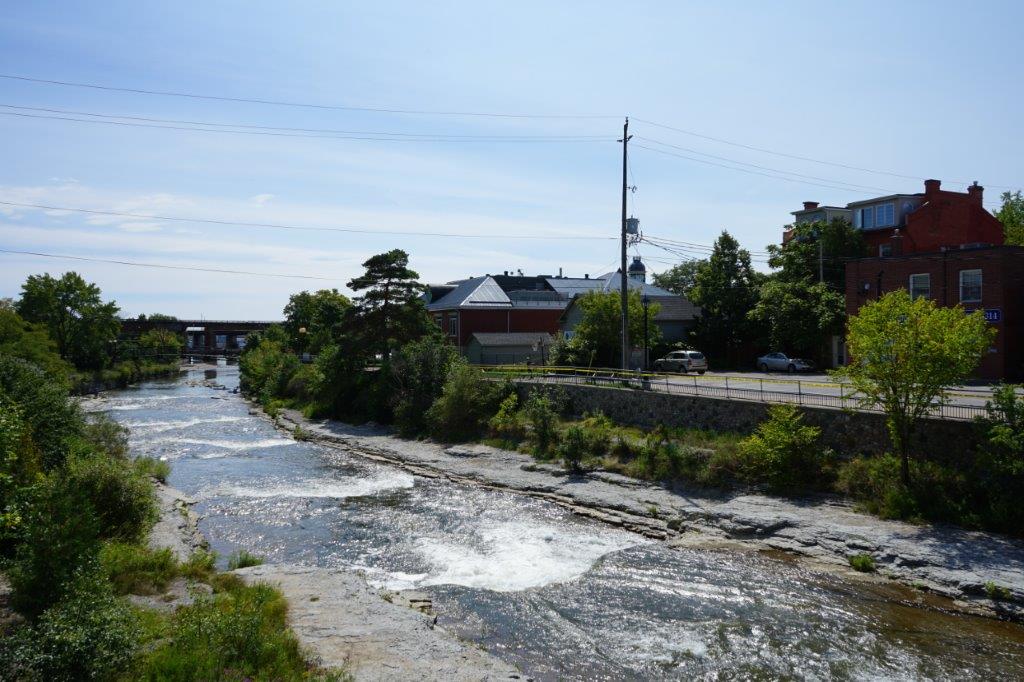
(780, 362)
(682, 361)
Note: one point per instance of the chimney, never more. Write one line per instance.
(975, 192)
(559, 273)
(586, 275)
(810, 205)
(931, 187)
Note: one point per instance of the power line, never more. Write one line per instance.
(764, 150)
(287, 129)
(708, 247)
(167, 267)
(329, 131)
(305, 105)
(767, 168)
(279, 226)
(265, 133)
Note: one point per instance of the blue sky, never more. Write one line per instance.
(919, 89)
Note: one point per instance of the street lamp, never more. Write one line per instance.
(646, 302)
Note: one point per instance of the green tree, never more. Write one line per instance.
(681, 278)
(73, 311)
(318, 314)
(905, 354)
(160, 345)
(390, 311)
(726, 289)
(598, 335)
(418, 374)
(1011, 215)
(817, 251)
(32, 342)
(798, 316)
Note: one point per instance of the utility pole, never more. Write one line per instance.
(821, 260)
(622, 270)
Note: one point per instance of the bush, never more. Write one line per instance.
(106, 435)
(89, 635)
(464, 405)
(243, 559)
(662, 459)
(60, 534)
(864, 563)
(200, 566)
(160, 469)
(507, 423)
(120, 496)
(541, 412)
(572, 447)
(52, 419)
(998, 472)
(242, 630)
(136, 569)
(783, 453)
(936, 493)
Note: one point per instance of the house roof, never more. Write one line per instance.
(494, 340)
(475, 292)
(888, 197)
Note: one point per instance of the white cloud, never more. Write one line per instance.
(261, 199)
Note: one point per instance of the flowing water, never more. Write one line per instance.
(559, 596)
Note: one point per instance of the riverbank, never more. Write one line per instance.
(974, 572)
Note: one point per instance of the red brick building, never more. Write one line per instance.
(981, 278)
(924, 222)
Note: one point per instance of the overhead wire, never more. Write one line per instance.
(306, 105)
(797, 157)
(280, 226)
(166, 267)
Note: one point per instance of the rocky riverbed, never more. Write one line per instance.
(375, 635)
(958, 565)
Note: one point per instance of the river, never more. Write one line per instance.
(559, 596)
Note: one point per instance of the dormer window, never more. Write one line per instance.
(869, 217)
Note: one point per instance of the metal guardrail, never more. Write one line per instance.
(722, 387)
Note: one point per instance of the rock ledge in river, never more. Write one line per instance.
(348, 624)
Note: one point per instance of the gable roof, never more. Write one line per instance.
(475, 292)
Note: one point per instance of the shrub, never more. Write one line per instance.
(242, 630)
(783, 452)
(661, 459)
(936, 493)
(52, 419)
(572, 447)
(160, 469)
(300, 385)
(200, 566)
(996, 592)
(120, 496)
(106, 435)
(507, 423)
(541, 412)
(135, 569)
(998, 472)
(243, 559)
(89, 635)
(864, 563)
(60, 533)
(465, 402)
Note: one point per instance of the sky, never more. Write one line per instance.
(752, 107)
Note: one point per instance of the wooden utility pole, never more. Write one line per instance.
(622, 270)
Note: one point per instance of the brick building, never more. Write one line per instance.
(980, 278)
(900, 224)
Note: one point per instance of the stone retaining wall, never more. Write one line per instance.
(847, 432)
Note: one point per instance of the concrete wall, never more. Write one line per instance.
(848, 433)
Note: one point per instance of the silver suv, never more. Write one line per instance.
(682, 361)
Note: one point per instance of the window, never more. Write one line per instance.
(885, 215)
(920, 286)
(240, 341)
(884, 250)
(867, 217)
(970, 286)
(453, 324)
(221, 340)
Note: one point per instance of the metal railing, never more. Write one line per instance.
(797, 391)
